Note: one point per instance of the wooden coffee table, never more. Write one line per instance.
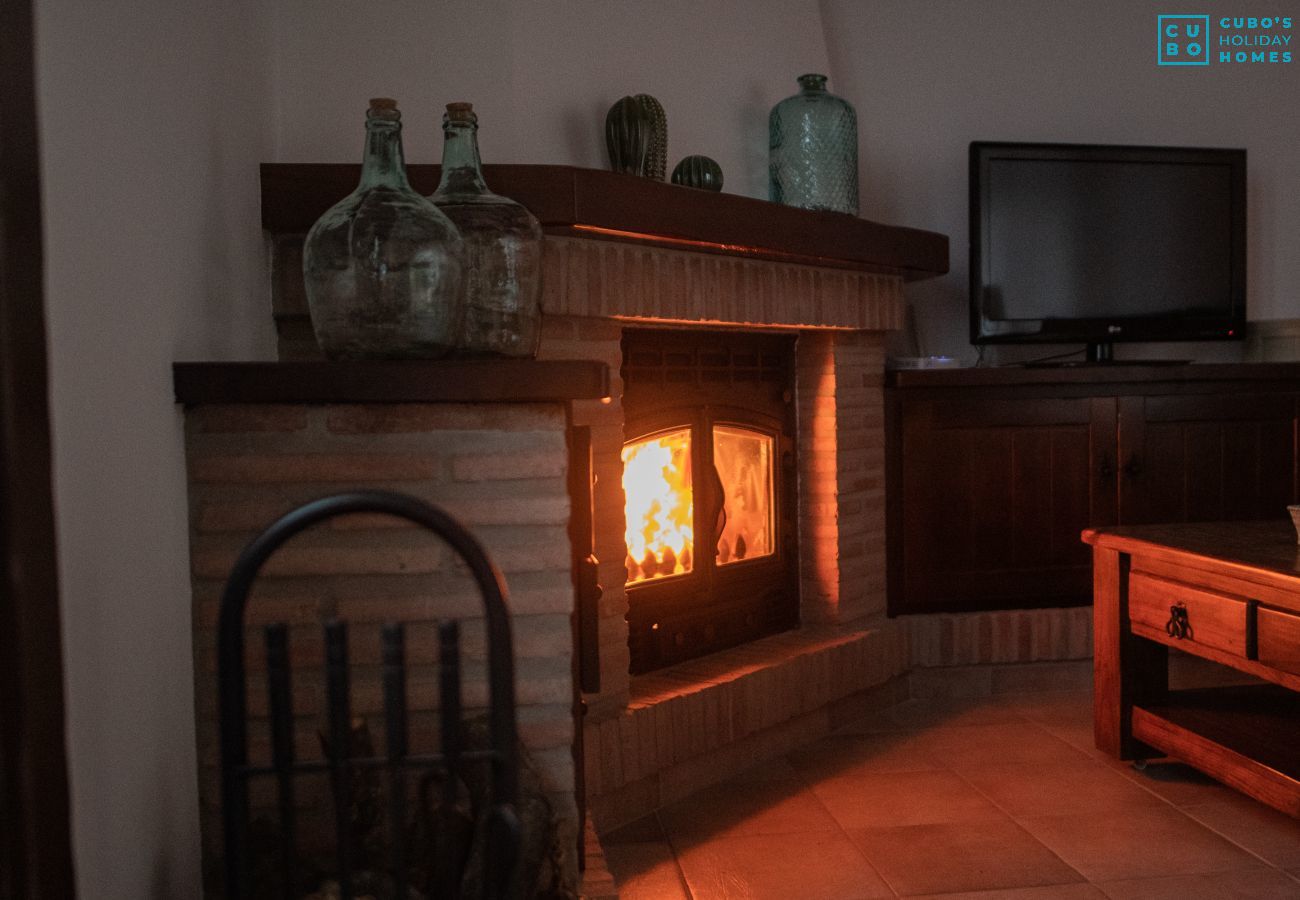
(1228, 592)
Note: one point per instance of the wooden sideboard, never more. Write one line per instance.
(1228, 592)
(992, 473)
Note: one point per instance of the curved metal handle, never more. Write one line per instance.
(1179, 627)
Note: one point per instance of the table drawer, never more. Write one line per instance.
(1279, 639)
(1212, 620)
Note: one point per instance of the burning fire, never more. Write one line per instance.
(659, 506)
(659, 496)
(744, 463)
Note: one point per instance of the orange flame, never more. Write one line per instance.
(659, 506)
(744, 462)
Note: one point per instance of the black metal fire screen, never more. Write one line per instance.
(338, 761)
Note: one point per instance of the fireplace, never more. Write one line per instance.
(733, 329)
(709, 474)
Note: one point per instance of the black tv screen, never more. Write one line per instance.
(1095, 244)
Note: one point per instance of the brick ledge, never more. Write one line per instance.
(694, 724)
(738, 662)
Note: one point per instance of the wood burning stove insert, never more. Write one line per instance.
(709, 483)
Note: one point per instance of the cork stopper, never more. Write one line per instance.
(383, 108)
(461, 112)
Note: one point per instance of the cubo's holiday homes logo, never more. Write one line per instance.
(1184, 41)
(1195, 40)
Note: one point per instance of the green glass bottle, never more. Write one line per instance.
(813, 144)
(384, 267)
(503, 248)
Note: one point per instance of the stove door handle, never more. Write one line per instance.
(718, 498)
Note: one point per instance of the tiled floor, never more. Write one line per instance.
(990, 798)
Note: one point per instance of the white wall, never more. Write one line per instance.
(542, 74)
(154, 116)
(152, 121)
(930, 76)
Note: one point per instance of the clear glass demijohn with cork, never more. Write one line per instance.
(503, 248)
(384, 267)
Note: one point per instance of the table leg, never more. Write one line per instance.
(1125, 668)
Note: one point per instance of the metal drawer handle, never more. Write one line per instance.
(1178, 626)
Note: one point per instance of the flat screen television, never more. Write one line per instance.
(1083, 243)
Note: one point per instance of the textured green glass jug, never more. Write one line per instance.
(503, 249)
(813, 146)
(384, 267)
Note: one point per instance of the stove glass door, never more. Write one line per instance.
(659, 506)
(743, 460)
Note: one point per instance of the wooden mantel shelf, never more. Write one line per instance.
(600, 205)
(441, 381)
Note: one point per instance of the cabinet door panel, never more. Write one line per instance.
(1205, 451)
(938, 509)
(1083, 488)
(995, 494)
(989, 464)
(1207, 458)
(1032, 530)
(1279, 460)
(1265, 470)
(1153, 473)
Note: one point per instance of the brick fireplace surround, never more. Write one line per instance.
(500, 463)
(652, 738)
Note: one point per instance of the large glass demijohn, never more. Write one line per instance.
(384, 267)
(503, 248)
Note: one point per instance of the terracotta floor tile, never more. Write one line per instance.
(902, 798)
(940, 713)
(644, 830)
(848, 754)
(1073, 787)
(970, 746)
(1054, 708)
(1137, 843)
(1260, 829)
(1055, 677)
(745, 808)
(645, 871)
(1181, 785)
(1050, 892)
(964, 856)
(781, 867)
(996, 798)
(778, 769)
(1078, 735)
(877, 723)
(918, 714)
(1259, 884)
